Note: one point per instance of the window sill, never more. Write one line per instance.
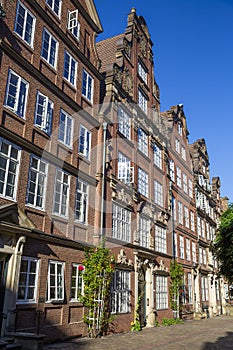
(24, 43)
(69, 84)
(41, 131)
(15, 115)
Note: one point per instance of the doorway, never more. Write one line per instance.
(142, 297)
(3, 272)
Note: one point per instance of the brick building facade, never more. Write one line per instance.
(87, 158)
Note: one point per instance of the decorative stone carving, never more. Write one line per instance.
(143, 47)
(128, 81)
(127, 48)
(123, 197)
(161, 267)
(122, 259)
(117, 74)
(163, 217)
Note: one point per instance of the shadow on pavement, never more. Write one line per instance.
(223, 343)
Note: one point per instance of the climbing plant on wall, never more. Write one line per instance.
(99, 267)
(176, 274)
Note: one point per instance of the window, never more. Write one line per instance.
(81, 202)
(49, 48)
(190, 189)
(185, 185)
(70, 68)
(188, 250)
(72, 24)
(177, 146)
(175, 245)
(178, 176)
(158, 193)
(183, 153)
(44, 113)
(160, 239)
(142, 101)
(87, 86)
(61, 193)
(186, 216)
(192, 221)
(199, 226)
(27, 288)
(77, 285)
(144, 232)
(181, 247)
(142, 141)
(65, 132)
(203, 228)
(161, 293)
(84, 142)
(16, 94)
(204, 288)
(55, 5)
(180, 213)
(158, 156)
(142, 182)
(180, 129)
(120, 292)
(125, 171)
(9, 167)
(55, 287)
(121, 223)
(190, 289)
(142, 72)
(25, 24)
(37, 182)
(174, 208)
(172, 169)
(124, 123)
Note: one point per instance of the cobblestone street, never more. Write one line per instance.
(207, 334)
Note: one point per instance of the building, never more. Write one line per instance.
(49, 131)
(87, 158)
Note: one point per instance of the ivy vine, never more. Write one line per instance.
(97, 277)
(176, 274)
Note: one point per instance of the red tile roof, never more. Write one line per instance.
(107, 51)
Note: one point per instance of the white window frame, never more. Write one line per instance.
(188, 249)
(124, 123)
(16, 94)
(178, 177)
(84, 146)
(81, 202)
(181, 247)
(190, 288)
(186, 216)
(29, 282)
(70, 68)
(185, 184)
(65, 132)
(180, 129)
(142, 101)
(143, 141)
(144, 231)
(50, 55)
(180, 213)
(142, 72)
(73, 24)
(55, 6)
(204, 288)
(59, 283)
(37, 182)
(10, 171)
(61, 193)
(158, 156)
(190, 188)
(172, 169)
(87, 86)
(120, 292)
(143, 182)
(160, 239)
(158, 193)
(177, 146)
(121, 223)
(27, 16)
(183, 153)
(125, 171)
(161, 291)
(77, 283)
(192, 221)
(44, 113)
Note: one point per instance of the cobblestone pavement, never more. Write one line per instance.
(207, 334)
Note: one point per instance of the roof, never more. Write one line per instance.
(107, 51)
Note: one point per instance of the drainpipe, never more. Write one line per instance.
(102, 234)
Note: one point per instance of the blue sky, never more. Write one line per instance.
(193, 55)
